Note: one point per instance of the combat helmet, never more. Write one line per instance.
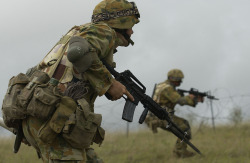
(118, 14)
(175, 75)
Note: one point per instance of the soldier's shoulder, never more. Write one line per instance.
(164, 85)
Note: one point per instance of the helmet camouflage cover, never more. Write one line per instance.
(119, 14)
(175, 75)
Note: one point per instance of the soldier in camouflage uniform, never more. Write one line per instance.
(81, 51)
(167, 96)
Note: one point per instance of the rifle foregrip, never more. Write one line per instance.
(143, 116)
(128, 111)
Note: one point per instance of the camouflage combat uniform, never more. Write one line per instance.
(104, 41)
(167, 96)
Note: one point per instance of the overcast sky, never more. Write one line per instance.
(208, 40)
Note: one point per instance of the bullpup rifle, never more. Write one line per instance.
(137, 90)
(196, 93)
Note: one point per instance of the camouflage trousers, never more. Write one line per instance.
(59, 150)
(153, 123)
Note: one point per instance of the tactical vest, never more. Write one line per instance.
(158, 90)
(78, 125)
(159, 98)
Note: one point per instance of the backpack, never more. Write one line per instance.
(13, 113)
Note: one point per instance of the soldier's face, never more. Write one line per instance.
(177, 83)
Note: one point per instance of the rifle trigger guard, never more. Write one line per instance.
(124, 97)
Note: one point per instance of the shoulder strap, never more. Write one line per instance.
(50, 62)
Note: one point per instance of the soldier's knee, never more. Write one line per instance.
(184, 126)
(186, 123)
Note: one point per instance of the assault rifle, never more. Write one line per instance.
(196, 93)
(137, 90)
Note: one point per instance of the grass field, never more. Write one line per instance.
(226, 144)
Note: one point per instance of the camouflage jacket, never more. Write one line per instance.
(104, 40)
(167, 96)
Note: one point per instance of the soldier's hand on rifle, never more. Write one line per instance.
(197, 98)
(191, 96)
(200, 99)
(117, 90)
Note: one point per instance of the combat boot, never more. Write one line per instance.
(181, 151)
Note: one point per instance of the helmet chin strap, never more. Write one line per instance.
(123, 32)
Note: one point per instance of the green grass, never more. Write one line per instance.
(224, 145)
(26, 154)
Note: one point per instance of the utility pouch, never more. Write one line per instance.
(99, 136)
(80, 130)
(46, 134)
(49, 131)
(12, 111)
(44, 101)
(37, 78)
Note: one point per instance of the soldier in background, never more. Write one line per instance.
(166, 95)
(80, 72)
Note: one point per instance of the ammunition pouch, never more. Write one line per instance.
(39, 97)
(75, 122)
(83, 127)
(29, 95)
(99, 136)
(37, 78)
(49, 131)
(43, 102)
(13, 113)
